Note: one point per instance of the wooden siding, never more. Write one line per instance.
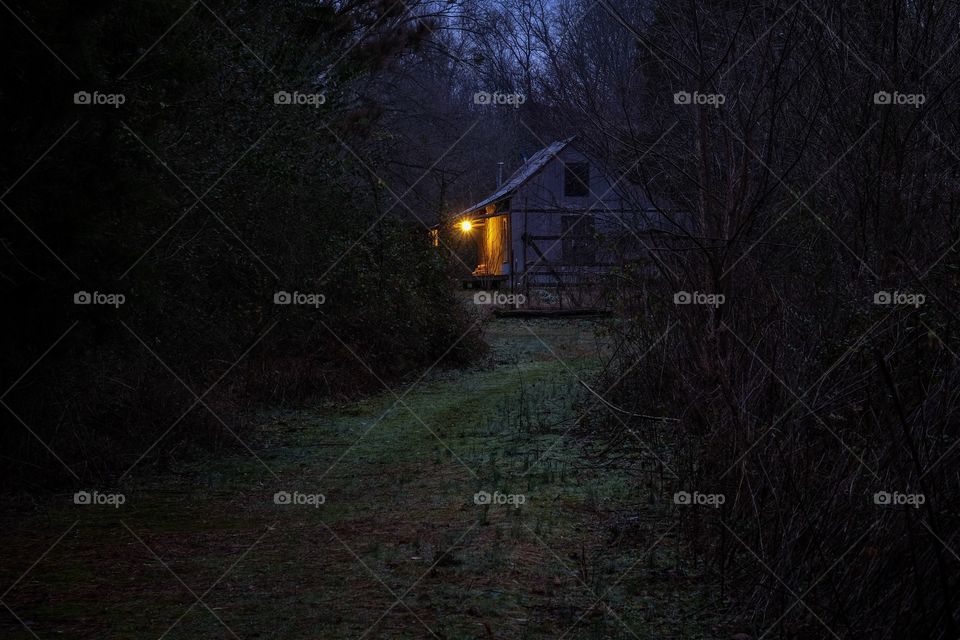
(538, 208)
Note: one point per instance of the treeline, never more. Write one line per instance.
(812, 150)
(170, 169)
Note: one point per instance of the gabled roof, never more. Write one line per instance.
(536, 162)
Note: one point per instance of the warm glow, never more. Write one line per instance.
(466, 225)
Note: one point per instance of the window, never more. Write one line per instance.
(576, 179)
(579, 239)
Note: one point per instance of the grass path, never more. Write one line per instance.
(398, 549)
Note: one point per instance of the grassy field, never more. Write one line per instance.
(399, 547)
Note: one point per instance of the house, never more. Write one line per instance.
(558, 224)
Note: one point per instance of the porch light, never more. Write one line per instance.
(466, 226)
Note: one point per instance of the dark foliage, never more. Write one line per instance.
(198, 198)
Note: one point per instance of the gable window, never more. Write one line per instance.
(579, 239)
(576, 179)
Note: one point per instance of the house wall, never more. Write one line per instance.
(537, 209)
